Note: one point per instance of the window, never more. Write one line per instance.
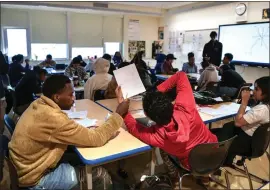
(87, 52)
(39, 51)
(112, 47)
(16, 42)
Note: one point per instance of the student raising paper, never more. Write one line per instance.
(179, 127)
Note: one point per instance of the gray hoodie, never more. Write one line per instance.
(210, 74)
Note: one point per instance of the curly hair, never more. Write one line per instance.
(158, 107)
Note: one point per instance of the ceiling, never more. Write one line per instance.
(158, 4)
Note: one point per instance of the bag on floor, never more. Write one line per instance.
(161, 182)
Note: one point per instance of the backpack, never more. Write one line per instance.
(161, 182)
(205, 98)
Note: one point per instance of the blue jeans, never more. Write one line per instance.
(63, 177)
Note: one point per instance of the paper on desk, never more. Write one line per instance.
(76, 114)
(87, 122)
(129, 80)
(219, 99)
(222, 110)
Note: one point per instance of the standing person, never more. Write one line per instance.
(167, 66)
(16, 70)
(112, 66)
(49, 62)
(74, 69)
(213, 50)
(246, 123)
(42, 136)
(190, 66)
(117, 58)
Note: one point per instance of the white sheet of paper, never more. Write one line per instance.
(222, 110)
(76, 114)
(219, 99)
(87, 122)
(129, 80)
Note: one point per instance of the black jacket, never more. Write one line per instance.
(3, 74)
(231, 78)
(214, 51)
(26, 88)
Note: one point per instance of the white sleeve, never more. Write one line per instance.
(257, 114)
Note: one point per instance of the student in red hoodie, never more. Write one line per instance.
(179, 127)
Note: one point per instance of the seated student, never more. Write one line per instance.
(190, 66)
(109, 58)
(16, 70)
(228, 57)
(179, 127)
(100, 80)
(209, 74)
(74, 69)
(167, 66)
(142, 69)
(231, 81)
(82, 63)
(246, 123)
(44, 132)
(110, 92)
(48, 62)
(160, 61)
(30, 84)
(117, 58)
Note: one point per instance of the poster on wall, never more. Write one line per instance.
(157, 47)
(133, 30)
(160, 33)
(134, 47)
(176, 40)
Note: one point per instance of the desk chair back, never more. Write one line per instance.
(260, 140)
(6, 163)
(212, 86)
(9, 124)
(99, 95)
(205, 159)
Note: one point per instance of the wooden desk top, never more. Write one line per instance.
(111, 104)
(123, 145)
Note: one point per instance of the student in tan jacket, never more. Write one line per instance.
(43, 133)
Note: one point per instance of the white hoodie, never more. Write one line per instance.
(210, 74)
(100, 80)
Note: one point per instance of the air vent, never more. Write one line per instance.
(100, 5)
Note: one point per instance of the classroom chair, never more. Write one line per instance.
(5, 161)
(99, 95)
(205, 160)
(260, 143)
(9, 123)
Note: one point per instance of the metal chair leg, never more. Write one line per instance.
(181, 179)
(255, 178)
(226, 172)
(248, 176)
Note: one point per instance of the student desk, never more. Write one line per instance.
(111, 104)
(55, 72)
(122, 146)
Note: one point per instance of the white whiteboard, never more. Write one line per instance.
(252, 39)
(194, 41)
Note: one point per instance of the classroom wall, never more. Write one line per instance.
(212, 17)
(83, 30)
(148, 32)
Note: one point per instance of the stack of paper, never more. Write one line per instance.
(76, 114)
(87, 122)
(222, 110)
